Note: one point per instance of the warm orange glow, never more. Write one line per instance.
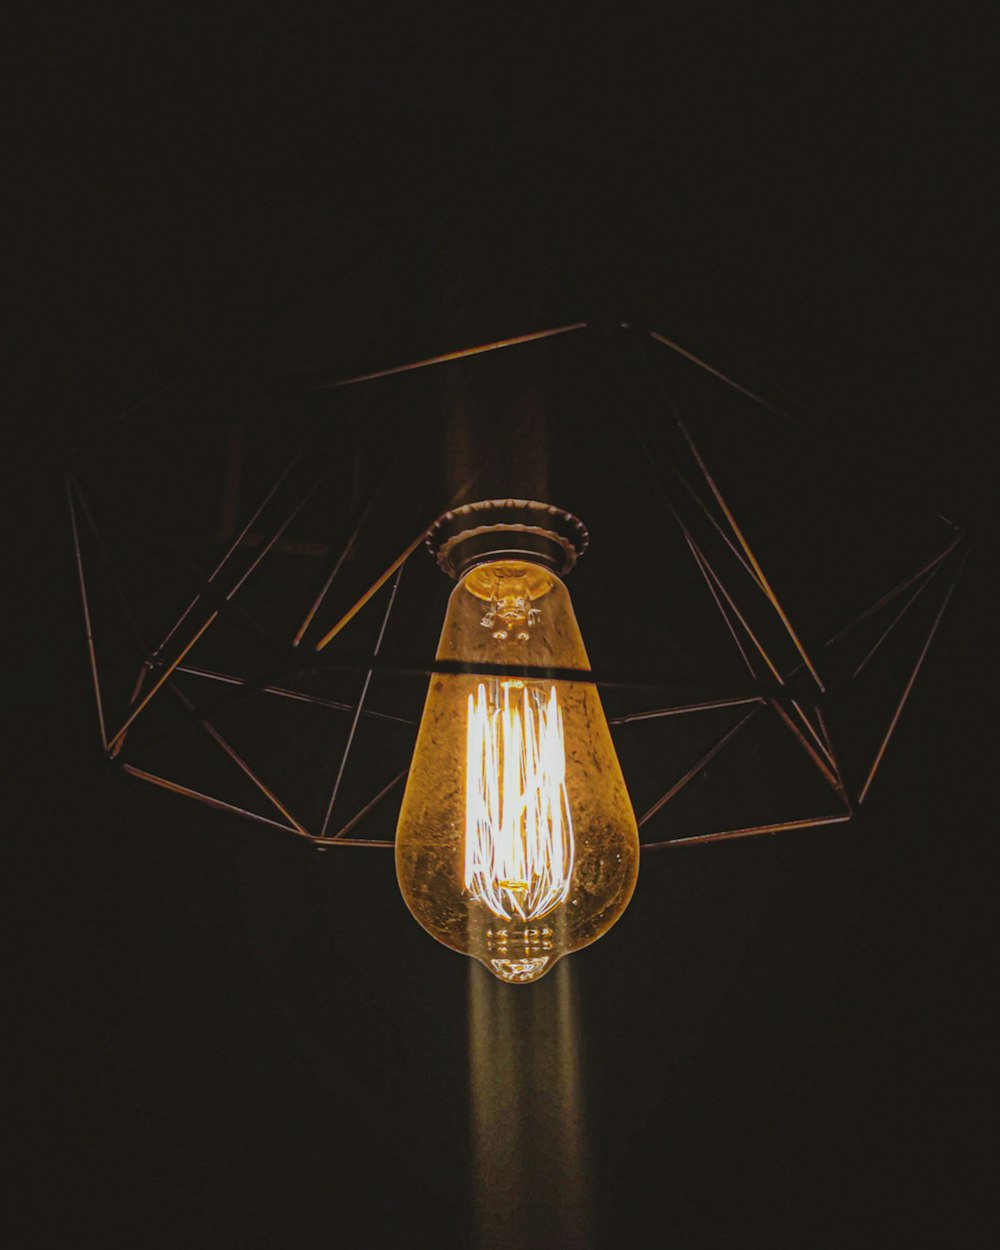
(516, 841)
(518, 827)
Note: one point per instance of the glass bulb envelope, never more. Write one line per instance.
(516, 842)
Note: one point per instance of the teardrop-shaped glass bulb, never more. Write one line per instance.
(516, 841)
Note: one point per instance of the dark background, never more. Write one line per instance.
(231, 1041)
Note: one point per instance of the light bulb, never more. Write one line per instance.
(516, 840)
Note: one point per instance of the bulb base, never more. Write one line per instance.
(507, 529)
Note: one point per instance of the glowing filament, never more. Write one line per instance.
(518, 829)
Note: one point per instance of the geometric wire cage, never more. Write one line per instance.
(283, 682)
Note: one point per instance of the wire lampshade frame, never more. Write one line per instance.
(796, 682)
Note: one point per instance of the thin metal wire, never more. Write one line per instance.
(749, 832)
(140, 680)
(85, 602)
(821, 739)
(802, 426)
(702, 563)
(398, 563)
(913, 677)
(282, 692)
(806, 745)
(710, 578)
(707, 571)
(225, 599)
(446, 356)
(898, 589)
(237, 759)
(234, 545)
(176, 788)
(675, 470)
(124, 606)
(324, 844)
(715, 523)
(356, 819)
(365, 513)
(372, 590)
(360, 705)
(153, 396)
(657, 713)
(405, 555)
(716, 373)
(695, 769)
(691, 692)
(898, 617)
(220, 804)
(765, 585)
(703, 560)
(115, 744)
(813, 732)
(831, 751)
